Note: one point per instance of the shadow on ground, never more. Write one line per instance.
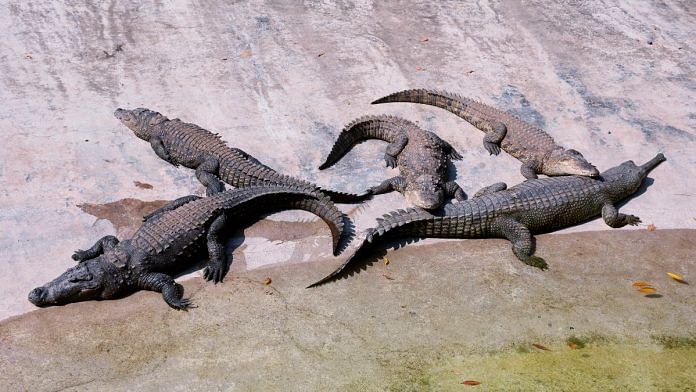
(434, 316)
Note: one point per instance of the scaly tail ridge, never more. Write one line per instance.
(382, 127)
(412, 221)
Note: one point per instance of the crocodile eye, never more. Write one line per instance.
(80, 275)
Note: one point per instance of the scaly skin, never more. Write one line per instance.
(189, 145)
(535, 148)
(421, 156)
(168, 241)
(534, 206)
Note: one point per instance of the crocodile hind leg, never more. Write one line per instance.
(453, 190)
(171, 206)
(615, 219)
(172, 292)
(522, 241)
(497, 187)
(217, 267)
(102, 245)
(395, 148)
(206, 173)
(393, 184)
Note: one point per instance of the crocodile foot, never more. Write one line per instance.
(632, 220)
(492, 148)
(80, 255)
(215, 271)
(538, 262)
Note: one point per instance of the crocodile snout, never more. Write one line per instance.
(37, 296)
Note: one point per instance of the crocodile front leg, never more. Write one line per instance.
(395, 148)
(495, 133)
(522, 241)
(102, 245)
(171, 206)
(172, 292)
(452, 154)
(615, 219)
(393, 184)
(530, 169)
(160, 150)
(206, 173)
(217, 267)
(497, 187)
(453, 190)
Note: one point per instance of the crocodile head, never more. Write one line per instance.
(626, 178)
(425, 192)
(93, 279)
(568, 162)
(141, 121)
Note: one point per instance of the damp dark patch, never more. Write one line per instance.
(143, 185)
(672, 342)
(659, 133)
(263, 23)
(126, 214)
(596, 105)
(515, 102)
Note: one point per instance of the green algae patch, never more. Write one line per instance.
(612, 367)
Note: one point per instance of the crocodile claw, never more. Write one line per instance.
(181, 304)
(538, 262)
(214, 272)
(391, 161)
(632, 220)
(492, 148)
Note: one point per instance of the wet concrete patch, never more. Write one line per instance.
(450, 312)
(126, 214)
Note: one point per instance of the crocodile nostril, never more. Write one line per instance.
(36, 295)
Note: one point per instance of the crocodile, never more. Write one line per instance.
(168, 242)
(422, 158)
(533, 206)
(189, 145)
(535, 148)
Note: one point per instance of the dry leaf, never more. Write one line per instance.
(470, 71)
(387, 276)
(267, 281)
(143, 185)
(28, 56)
(677, 277)
(470, 382)
(419, 68)
(572, 346)
(651, 227)
(540, 347)
(424, 39)
(647, 290)
(245, 53)
(320, 54)
(641, 283)
(386, 261)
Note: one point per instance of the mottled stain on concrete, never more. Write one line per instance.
(126, 215)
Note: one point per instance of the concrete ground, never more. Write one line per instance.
(614, 80)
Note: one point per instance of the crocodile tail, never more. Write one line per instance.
(453, 103)
(299, 197)
(341, 197)
(383, 127)
(413, 221)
